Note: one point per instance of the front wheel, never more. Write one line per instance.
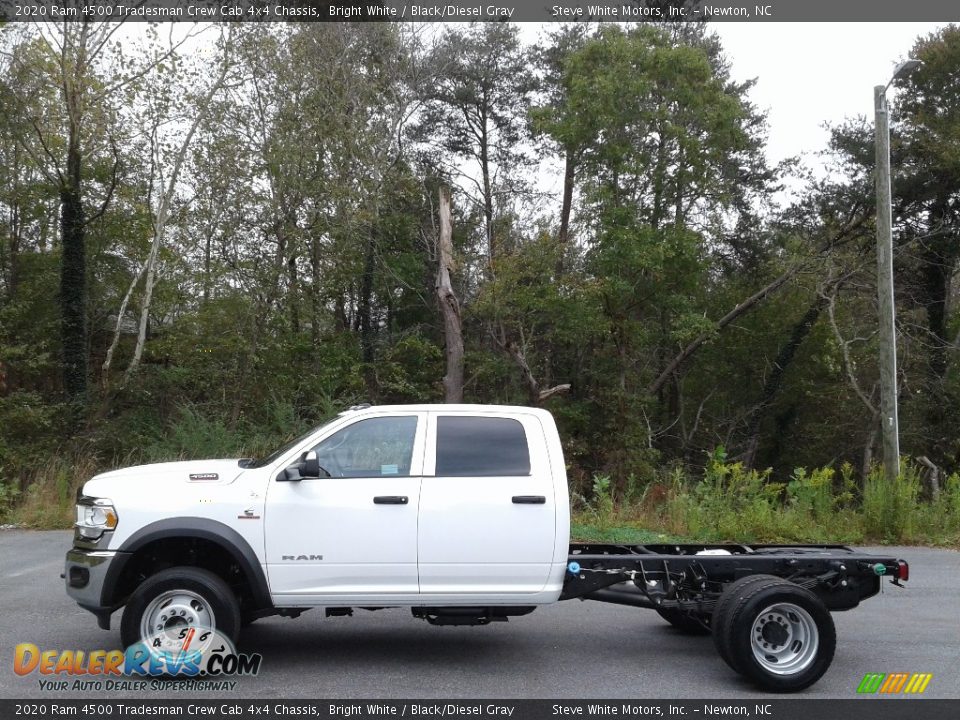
(779, 635)
(180, 597)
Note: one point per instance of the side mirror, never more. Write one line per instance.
(310, 465)
(290, 474)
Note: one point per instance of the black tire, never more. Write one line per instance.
(684, 622)
(209, 587)
(779, 635)
(727, 600)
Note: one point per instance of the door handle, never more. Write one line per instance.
(391, 500)
(529, 500)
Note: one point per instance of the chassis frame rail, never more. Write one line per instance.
(691, 577)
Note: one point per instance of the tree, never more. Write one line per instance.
(75, 57)
(548, 118)
(449, 305)
(166, 200)
(670, 155)
(928, 186)
(476, 110)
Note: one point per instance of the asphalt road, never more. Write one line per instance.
(568, 650)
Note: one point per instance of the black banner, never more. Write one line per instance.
(757, 709)
(469, 10)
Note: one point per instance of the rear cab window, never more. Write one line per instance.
(473, 446)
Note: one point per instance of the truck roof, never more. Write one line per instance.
(444, 407)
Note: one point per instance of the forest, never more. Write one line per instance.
(213, 237)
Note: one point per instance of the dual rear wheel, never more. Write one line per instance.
(777, 634)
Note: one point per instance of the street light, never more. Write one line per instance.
(888, 336)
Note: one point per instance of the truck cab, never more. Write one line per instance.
(427, 506)
(406, 505)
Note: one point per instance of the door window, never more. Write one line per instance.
(481, 446)
(375, 447)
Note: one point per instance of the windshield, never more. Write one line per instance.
(284, 448)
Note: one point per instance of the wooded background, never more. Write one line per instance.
(213, 237)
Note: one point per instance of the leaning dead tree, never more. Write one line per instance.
(516, 351)
(449, 305)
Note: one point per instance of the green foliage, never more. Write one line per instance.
(729, 503)
(602, 503)
(730, 499)
(48, 501)
(889, 509)
(8, 496)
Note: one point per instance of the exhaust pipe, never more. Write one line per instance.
(634, 598)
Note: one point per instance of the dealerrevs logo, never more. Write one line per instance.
(178, 652)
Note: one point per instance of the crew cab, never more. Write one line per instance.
(459, 512)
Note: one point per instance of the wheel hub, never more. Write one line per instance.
(173, 610)
(784, 639)
(774, 631)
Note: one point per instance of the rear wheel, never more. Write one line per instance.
(180, 597)
(728, 599)
(779, 635)
(685, 622)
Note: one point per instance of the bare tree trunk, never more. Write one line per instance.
(73, 276)
(569, 176)
(294, 292)
(105, 377)
(449, 306)
(365, 316)
(316, 302)
(487, 195)
(867, 461)
(73, 282)
(207, 242)
(933, 476)
(164, 211)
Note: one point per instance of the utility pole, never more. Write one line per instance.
(890, 429)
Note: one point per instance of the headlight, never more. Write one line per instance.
(95, 516)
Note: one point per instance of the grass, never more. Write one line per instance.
(730, 503)
(49, 500)
(583, 528)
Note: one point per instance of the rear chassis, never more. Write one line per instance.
(767, 606)
(691, 578)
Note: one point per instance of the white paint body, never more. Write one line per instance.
(456, 541)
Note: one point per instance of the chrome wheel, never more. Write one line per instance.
(172, 611)
(784, 639)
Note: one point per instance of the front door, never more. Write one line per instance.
(351, 534)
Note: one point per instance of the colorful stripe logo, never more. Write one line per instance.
(894, 683)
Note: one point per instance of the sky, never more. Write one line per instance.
(812, 73)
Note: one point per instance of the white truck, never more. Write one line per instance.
(459, 512)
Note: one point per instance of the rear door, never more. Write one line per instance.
(487, 507)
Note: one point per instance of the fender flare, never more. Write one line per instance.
(190, 527)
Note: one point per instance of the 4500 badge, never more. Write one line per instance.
(176, 648)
